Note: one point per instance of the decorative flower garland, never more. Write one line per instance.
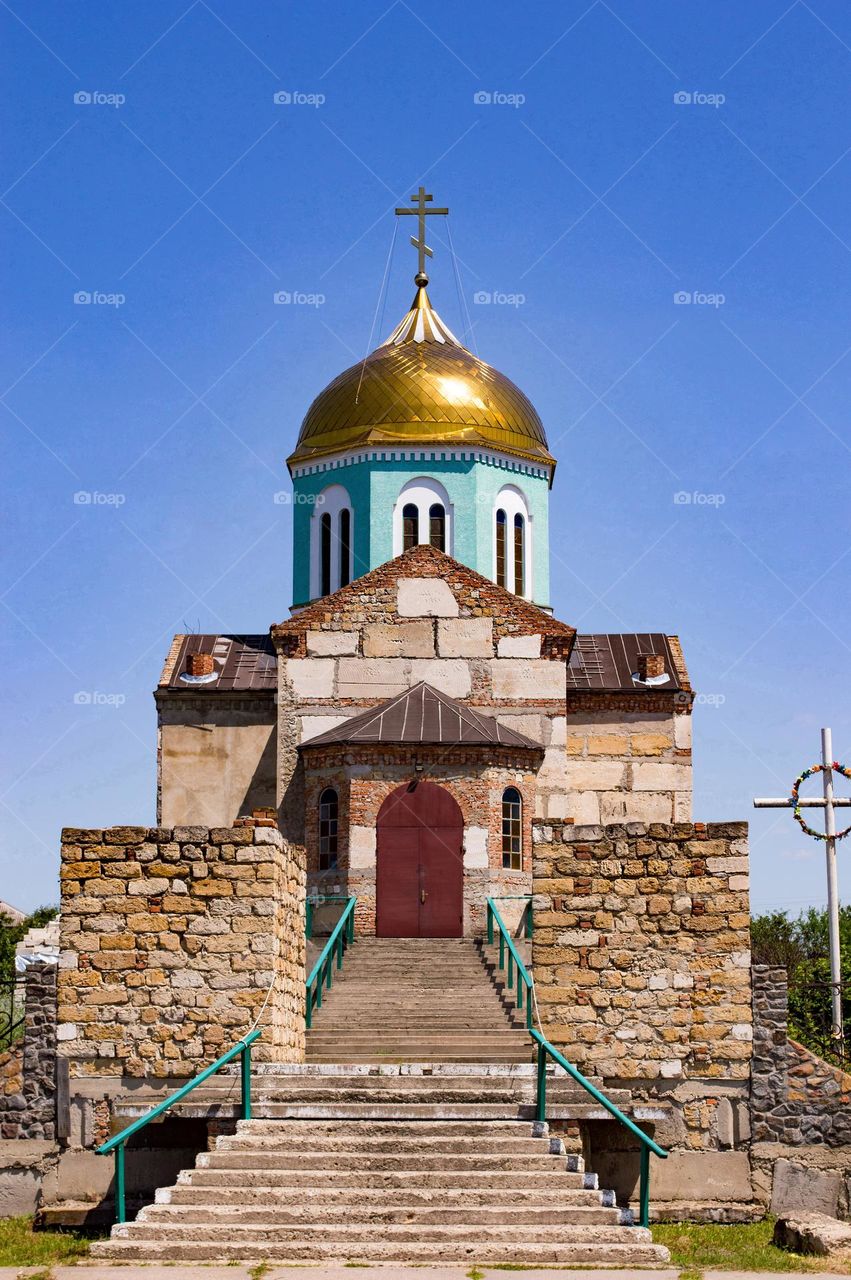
(796, 812)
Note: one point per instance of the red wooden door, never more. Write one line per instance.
(420, 870)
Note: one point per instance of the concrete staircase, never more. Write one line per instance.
(408, 1136)
(417, 1000)
(389, 1191)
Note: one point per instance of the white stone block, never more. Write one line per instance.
(519, 647)
(399, 640)
(583, 807)
(671, 1069)
(738, 883)
(595, 775)
(626, 806)
(312, 726)
(310, 677)
(327, 644)
(682, 731)
(742, 1031)
(558, 731)
(658, 982)
(372, 677)
(425, 598)
(530, 725)
(475, 848)
(465, 638)
(450, 675)
(652, 776)
(66, 1031)
(528, 678)
(682, 806)
(361, 847)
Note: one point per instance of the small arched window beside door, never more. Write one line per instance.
(328, 822)
(512, 829)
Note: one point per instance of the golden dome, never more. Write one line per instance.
(422, 387)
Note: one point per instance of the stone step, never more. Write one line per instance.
(515, 1253)
(446, 1162)
(381, 1216)
(351, 1141)
(400, 1183)
(542, 1195)
(351, 1233)
(393, 1058)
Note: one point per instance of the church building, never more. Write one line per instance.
(422, 705)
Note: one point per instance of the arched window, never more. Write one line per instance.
(331, 545)
(422, 513)
(512, 829)
(345, 547)
(325, 555)
(512, 550)
(437, 525)
(328, 829)
(519, 555)
(501, 548)
(410, 526)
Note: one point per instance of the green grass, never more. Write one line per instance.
(738, 1247)
(20, 1246)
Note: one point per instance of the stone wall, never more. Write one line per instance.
(28, 1070)
(796, 1097)
(641, 958)
(170, 941)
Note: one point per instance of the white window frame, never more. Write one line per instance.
(513, 502)
(422, 493)
(330, 502)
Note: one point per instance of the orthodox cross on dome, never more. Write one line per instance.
(419, 241)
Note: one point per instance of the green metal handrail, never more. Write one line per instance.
(318, 900)
(119, 1142)
(517, 975)
(546, 1049)
(527, 914)
(342, 935)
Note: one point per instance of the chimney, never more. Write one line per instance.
(200, 664)
(651, 665)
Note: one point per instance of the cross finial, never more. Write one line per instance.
(420, 199)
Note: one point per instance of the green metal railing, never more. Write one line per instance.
(321, 975)
(119, 1142)
(319, 900)
(527, 913)
(517, 976)
(545, 1050)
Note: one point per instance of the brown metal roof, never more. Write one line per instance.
(243, 664)
(423, 714)
(608, 662)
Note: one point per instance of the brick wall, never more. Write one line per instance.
(475, 777)
(641, 958)
(170, 940)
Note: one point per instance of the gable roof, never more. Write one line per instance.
(422, 714)
(376, 592)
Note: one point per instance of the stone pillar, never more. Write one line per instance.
(769, 1067)
(30, 1111)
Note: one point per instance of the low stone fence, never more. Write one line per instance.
(28, 1069)
(171, 939)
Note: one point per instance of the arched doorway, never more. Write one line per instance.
(420, 864)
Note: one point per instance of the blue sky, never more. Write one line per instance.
(628, 153)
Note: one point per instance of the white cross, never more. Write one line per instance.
(829, 803)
